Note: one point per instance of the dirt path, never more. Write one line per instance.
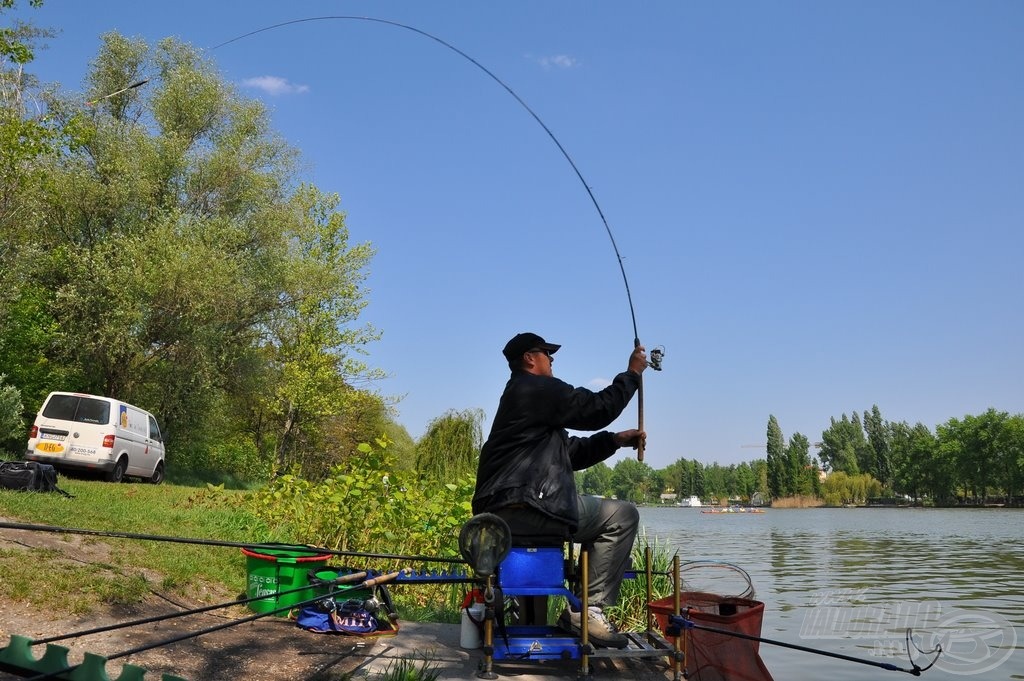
(267, 648)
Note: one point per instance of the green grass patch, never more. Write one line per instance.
(200, 572)
(45, 578)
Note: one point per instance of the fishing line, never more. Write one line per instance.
(499, 81)
(915, 669)
(658, 353)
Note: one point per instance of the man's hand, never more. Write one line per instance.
(632, 438)
(638, 360)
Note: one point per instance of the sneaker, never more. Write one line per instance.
(599, 630)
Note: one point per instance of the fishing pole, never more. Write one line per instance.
(658, 353)
(916, 670)
(216, 542)
(81, 633)
(140, 83)
(218, 627)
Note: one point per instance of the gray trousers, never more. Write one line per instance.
(607, 531)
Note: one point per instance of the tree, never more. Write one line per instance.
(363, 417)
(1010, 447)
(685, 477)
(842, 489)
(798, 466)
(776, 449)
(914, 451)
(698, 479)
(451, 446)
(10, 413)
(879, 440)
(972, 445)
(309, 336)
(632, 481)
(178, 263)
(843, 445)
(745, 481)
(27, 136)
(597, 480)
(24, 135)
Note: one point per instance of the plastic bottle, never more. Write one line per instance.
(472, 620)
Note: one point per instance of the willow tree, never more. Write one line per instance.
(451, 446)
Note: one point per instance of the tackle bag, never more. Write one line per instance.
(350, 608)
(349, 617)
(29, 475)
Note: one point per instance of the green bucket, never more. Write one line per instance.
(269, 571)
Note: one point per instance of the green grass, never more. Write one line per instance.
(134, 567)
(407, 670)
(85, 577)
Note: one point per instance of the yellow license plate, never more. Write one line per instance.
(50, 447)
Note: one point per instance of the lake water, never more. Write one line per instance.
(850, 581)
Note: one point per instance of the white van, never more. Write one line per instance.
(89, 432)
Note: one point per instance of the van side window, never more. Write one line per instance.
(154, 430)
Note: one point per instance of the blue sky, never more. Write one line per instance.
(820, 206)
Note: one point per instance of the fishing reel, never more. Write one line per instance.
(657, 355)
(350, 605)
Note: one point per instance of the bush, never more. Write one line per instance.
(369, 505)
(11, 425)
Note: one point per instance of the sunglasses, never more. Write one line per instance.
(546, 352)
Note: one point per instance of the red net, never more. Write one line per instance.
(711, 656)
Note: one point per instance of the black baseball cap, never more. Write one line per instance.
(522, 342)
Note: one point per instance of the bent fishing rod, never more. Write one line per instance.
(657, 354)
(685, 623)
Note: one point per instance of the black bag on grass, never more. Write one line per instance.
(29, 475)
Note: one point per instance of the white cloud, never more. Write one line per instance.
(598, 383)
(557, 61)
(275, 86)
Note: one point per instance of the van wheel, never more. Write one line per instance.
(117, 475)
(158, 474)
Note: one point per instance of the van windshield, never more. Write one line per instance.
(77, 408)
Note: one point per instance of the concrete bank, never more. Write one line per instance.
(438, 645)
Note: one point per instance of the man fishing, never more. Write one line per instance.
(526, 469)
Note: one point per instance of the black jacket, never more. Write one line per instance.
(529, 458)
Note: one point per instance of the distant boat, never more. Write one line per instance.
(692, 502)
(732, 509)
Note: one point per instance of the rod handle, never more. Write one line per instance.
(386, 578)
(640, 411)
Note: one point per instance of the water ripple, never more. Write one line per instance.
(852, 581)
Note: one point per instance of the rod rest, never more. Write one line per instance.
(18, 657)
